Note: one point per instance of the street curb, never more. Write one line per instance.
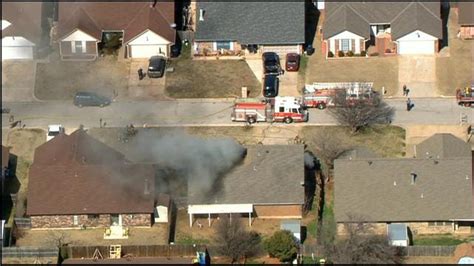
(206, 100)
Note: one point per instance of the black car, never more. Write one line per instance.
(270, 85)
(271, 63)
(156, 66)
(90, 99)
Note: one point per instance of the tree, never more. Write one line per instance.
(234, 241)
(361, 245)
(359, 114)
(282, 245)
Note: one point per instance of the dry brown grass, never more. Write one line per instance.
(17, 74)
(23, 142)
(60, 80)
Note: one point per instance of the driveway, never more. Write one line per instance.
(418, 73)
(18, 80)
(147, 88)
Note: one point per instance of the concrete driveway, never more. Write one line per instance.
(18, 80)
(288, 81)
(147, 88)
(418, 73)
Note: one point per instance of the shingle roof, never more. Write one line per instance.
(271, 174)
(381, 190)
(443, 146)
(248, 22)
(76, 174)
(134, 17)
(466, 13)
(405, 17)
(25, 19)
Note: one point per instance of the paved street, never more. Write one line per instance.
(188, 113)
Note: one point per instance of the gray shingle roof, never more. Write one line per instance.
(405, 17)
(466, 13)
(270, 174)
(381, 189)
(252, 22)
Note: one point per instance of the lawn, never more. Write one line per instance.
(209, 78)
(439, 240)
(60, 80)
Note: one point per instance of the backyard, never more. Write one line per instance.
(60, 80)
(209, 78)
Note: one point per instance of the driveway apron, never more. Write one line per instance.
(418, 73)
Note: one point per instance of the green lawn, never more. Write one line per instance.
(184, 239)
(442, 240)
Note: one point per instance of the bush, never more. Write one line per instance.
(374, 54)
(350, 53)
(340, 54)
(330, 54)
(282, 245)
(388, 51)
(363, 53)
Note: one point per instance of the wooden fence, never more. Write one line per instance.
(87, 252)
(436, 251)
(29, 252)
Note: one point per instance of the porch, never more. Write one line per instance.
(383, 46)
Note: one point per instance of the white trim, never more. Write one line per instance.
(220, 208)
(214, 46)
(73, 47)
(83, 47)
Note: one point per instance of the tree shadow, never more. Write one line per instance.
(311, 22)
(445, 9)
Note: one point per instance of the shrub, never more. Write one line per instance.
(340, 54)
(330, 54)
(282, 245)
(363, 53)
(350, 53)
(388, 51)
(374, 54)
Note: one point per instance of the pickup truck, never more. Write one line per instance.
(53, 131)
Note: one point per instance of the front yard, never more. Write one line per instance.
(60, 80)
(209, 78)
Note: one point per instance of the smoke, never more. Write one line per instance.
(197, 159)
(308, 160)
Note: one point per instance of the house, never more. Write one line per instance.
(430, 193)
(21, 29)
(76, 181)
(269, 184)
(403, 28)
(466, 19)
(143, 29)
(238, 28)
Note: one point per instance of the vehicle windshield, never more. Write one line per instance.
(53, 133)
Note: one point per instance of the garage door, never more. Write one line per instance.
(416, 47)
(22, 52)
(281, 50)
(146, 51)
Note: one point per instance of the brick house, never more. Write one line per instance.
(404, 28)
(268, 184)
(144, 29)
(431, 193)
(239, 28)
(76, 181)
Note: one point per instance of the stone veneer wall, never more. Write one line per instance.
(67, 221)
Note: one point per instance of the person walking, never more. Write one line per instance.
(408, 104)
(405, 90)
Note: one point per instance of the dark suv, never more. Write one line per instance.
(156, 66)
(90, 99)
(271, 63)
(270, 85)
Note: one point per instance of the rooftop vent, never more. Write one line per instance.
(370, 162)
(394, 183)
(413, 177)
(201, 14)
(147, 189)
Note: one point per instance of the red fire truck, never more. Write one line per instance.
(281, 109)
(465, 97)
(328, 94)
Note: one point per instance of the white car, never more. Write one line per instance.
(53, 131)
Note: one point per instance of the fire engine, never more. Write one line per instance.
(281, 109)
(323, 94)
(465, 96)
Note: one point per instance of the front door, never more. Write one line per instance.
(115, 219)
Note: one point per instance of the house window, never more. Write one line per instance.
(438, 223)
(223, 45)
(75, 219)
(282, 109)
(345, 45)
(92, 216)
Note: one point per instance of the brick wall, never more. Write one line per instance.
(103, 220)
(136, 219)
(416, 228)
(278, 211)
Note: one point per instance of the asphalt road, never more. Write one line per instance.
(197, 113)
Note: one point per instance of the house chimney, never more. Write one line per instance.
(147, 189)
(413, 177)
(201, 14)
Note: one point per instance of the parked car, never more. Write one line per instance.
(53, 131)
(271, 63)
(90, 99)
(270, 86)
(292, 62)
(156, 66)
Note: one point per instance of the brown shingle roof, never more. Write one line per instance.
(77, 174)
(466, 13)
(25, 19)
(132, 17)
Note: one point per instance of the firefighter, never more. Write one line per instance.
(409, 104)
(140, 74)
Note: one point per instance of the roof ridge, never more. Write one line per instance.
(355, 11)
(335, 10)
(401, 12)
(427, 9)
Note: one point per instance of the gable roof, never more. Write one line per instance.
(76, 174)
(442, 146)
(404, 17)
(25, 19)
(466, 13)
(132, 17)
(269, 174)
(381, 189)
(257, 22)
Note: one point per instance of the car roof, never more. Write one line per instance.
(54, 127)
(85, 93)
(157, 58)
(270, 78)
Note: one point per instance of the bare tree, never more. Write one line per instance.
(362, 113)
(361, 245)
(234, 241)
(57, 238)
